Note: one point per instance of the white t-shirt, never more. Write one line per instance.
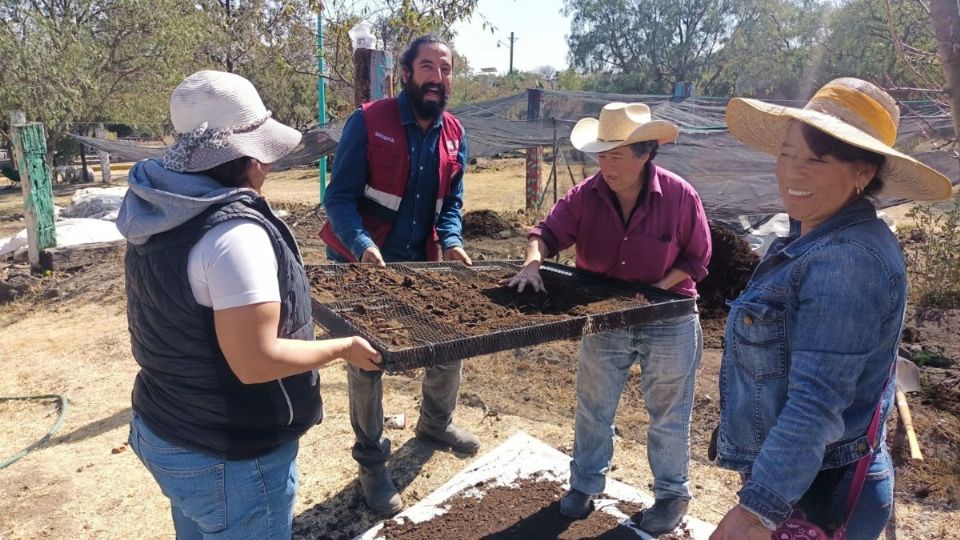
(233, 265)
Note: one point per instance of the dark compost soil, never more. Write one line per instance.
(484, 223)
(407, 307)
(729, 270)
(528, 511)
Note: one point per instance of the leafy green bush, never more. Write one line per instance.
(933, 255)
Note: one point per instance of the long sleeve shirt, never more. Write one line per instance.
(668, 229)
(415, 218)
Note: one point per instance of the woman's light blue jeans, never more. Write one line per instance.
(669, 353)
(213, 498)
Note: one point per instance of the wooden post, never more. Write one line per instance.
(16, 118)
(554, 170)
(83, 160)
(573, 180)
(373, 75)
(104, 157)
(535, 153)
(30, 143)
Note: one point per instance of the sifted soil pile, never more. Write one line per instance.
(528, 511)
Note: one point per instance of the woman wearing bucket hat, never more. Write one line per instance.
(219, 311)
(638, 222)
(811, 341)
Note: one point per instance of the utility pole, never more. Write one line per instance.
(512, 40)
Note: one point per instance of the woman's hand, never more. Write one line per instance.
(741, 524)
(362, 355)
(528, 275)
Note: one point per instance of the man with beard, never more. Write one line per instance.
(395, 195)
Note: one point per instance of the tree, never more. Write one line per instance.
(569, 79)
(770, 50)
(272, 43)
(945, 17)
(859, 44)
(92, 60)
(396, 24)
(654, 42)
(70, 62)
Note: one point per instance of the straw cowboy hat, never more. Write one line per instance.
(220, 117)
(853, 111)
(620, 124)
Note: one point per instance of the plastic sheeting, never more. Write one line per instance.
(95, 203)
(70, 232)
(89, 219)
(315, 144)
(732, 179)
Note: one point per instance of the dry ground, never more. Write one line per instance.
(70, 337)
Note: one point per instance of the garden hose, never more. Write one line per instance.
(53, 429)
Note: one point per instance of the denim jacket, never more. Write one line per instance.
(808, 347)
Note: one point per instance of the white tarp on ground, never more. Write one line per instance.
(761, 236)
(95, 203)
(89, 219)
(70, 232)
(523, 456)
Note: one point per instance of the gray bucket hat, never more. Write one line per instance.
(219, 117)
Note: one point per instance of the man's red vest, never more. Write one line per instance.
(388, 172)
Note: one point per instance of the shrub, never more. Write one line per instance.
(932, 251)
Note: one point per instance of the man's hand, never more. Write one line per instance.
(372, 255)
(741, 524)
(528, 275)
(457, 253)
(363, 355)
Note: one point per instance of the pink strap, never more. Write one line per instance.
(860, 475)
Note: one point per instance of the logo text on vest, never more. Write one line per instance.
(387, 138)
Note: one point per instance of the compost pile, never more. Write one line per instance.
(729, 271)
(528, 511)
(485, 223)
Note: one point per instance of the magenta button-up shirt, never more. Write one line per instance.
(668, 229)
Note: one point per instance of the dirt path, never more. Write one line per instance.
(86, 483)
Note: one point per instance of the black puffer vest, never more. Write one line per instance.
(185, 390)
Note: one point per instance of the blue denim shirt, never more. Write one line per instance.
(808, 347)
(415, 217)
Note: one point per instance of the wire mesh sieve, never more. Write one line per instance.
(426, 314)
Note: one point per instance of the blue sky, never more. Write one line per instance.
(538, 25)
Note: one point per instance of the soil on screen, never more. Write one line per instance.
(466, 302)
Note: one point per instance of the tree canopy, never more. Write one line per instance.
(71, 63)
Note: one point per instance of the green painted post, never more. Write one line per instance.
(30, 142)
(321, 103)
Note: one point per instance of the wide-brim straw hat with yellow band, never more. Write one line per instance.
(851, 110)
(620, 124)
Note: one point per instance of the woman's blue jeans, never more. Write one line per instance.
(213, 498)
(669, 353)
(875, 505)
